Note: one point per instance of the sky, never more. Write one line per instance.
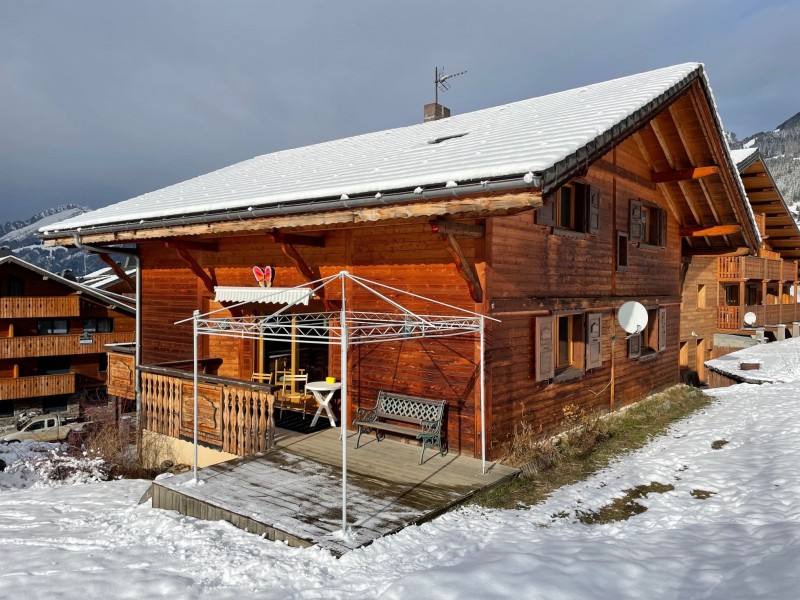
(721, 521)
(103, 100)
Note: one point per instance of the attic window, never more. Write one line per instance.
(444, 138)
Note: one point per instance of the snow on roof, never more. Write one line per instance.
(779, 363)
(739, 156)
(510, 140)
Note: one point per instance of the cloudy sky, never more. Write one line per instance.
(102, 100)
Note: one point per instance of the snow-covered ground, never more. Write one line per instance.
(740, 542)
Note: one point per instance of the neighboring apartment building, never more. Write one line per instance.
(729, 301)
(53, 333)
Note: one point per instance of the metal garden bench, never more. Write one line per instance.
(422, 418)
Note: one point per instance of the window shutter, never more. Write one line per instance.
(594, 210)
(545, 360)
(635, 346)
(594, 340)
(662, 329)
(546, 215)
(636, 229)
(662, 228)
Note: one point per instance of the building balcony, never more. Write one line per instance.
(39, 307)
(730, 318)
(37, 386)
(738, 268)
(59, 345)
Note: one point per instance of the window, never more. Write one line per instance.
(622, 251)
(53, 365)
(16, 286)
(752, 294)
(732, 295)
(103, 325)
(6, 408)
(573, 207)
(648, 224)
(701, 295)
(52, 327)
(567, 345)
(654, 337)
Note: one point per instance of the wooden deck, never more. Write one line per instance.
(294, 493)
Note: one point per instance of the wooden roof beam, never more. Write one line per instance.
(712, 230)
(118, 271)
(717, 252)
(683, 174)
(455, 228)
(301, 265)
(209, 280)
(316, 241)
(466, 271)
(637, 137)
(193, 245)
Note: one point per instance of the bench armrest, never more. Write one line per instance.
(366, 414)
(429, 427)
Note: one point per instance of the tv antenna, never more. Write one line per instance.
(440, 81)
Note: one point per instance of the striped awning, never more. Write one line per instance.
(273, 295)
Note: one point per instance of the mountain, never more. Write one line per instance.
(781, 148)
(20, 236)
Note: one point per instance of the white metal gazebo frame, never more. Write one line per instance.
(326, 328)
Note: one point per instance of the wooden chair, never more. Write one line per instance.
(262, 378)
(288, 398)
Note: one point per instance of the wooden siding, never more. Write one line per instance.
(59, 345)
(36, 308)
(40, 385)
(121, 375)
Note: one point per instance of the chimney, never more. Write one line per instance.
(435, 111)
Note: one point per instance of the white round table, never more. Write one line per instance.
(323, 393)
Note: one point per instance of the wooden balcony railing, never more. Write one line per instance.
(755, 267)
(730, 317)
(772, 269)
(789, 270)
(59, 345)
(37, 386)
(39, 308)
(234, 416)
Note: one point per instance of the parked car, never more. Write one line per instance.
(45, 428)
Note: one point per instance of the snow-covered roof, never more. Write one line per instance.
(114, 301)
(779, 363)
(531, 136)
(740, 156)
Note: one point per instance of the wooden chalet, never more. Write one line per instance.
(546, 214)
(53, 336)
(719, 291)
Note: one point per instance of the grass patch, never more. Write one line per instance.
(588, 446)
(717, 444)
(622, 509)
(701, 494)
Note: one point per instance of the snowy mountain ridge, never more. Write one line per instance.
(781, 149)
(20, 236)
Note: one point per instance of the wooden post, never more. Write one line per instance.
(293, 366)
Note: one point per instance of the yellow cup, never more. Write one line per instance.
(330, 380)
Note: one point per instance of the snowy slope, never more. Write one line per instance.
(20, 236)
(728, 530)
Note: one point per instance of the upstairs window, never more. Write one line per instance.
(52, 327)
(573, 207)
(16, 286)
(654, 337)
(103, 325)
(648, 224)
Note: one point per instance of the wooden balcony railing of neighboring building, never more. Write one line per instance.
(59, 345)
(756, 267)
(234, 416)
(731, 317)
(39, 308)
(37, 386)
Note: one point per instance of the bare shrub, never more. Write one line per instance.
(115, 446)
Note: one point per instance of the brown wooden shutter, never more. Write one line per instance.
(545, 357)
(546, 215)
(594, 210)
(594, 340)
(662, 228)
(636, 229)
(662, 329)
(635, 346)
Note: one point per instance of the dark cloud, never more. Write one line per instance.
(103, 100)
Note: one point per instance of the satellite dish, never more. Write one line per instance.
(749, 319)
(632, 317)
